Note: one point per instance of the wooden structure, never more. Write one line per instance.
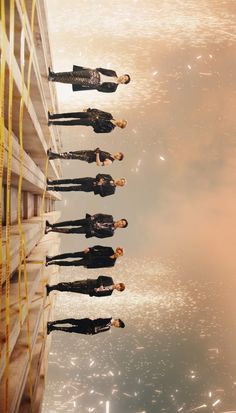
(25, 98)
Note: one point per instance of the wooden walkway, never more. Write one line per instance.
(25, 309)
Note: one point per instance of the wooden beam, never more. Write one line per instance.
(34, 231)
(33, 178)
(38, 275)
(34, 139)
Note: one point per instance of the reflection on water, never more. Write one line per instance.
(175, 354)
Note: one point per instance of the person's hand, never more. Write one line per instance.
(101, 288)
(97, 150)
(86, 250)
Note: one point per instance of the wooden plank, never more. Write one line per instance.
(34, 139)
(39, 314)
(34, 231)
(33, 276)
(33, 178)
(19, 360)
(41, 61)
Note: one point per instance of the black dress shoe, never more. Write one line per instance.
(47, 289)
(50, 74)
(49, 327)
(48, 259)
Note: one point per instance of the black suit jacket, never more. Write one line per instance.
(106, 188)
(101, 280)
(92, 231)
(101, 251)
(101, 121)
(100, 113)
(107, 87)
(99, 325)
(99, 257)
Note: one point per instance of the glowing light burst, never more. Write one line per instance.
(107, 407)
(192, 23)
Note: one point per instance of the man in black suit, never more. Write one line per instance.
(103, 185)
(100, 287)
(92, 257)
(102, 158)
(84, 78)
(101, 122)
(85, 325)
(98, 225)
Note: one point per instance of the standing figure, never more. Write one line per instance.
(92, 257)
(102, 184)
(98, 225)
(84, 78)
(100, 287)
(101, 158)
(84, 325)
(101, 122)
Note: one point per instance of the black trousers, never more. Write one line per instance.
(58, 259)
(80, 286)
(83, 118)
(77, 254)
(75, 328)
(83, 122)
(82, 188)
(81, 225)
(70, 115)
(84, 184)
(74, 263)
(80, 155)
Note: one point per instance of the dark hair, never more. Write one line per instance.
(127, 81)
(121, 156)
(126, 222)
(122, 286)
(122, 324)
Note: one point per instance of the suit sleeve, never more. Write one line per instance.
(107, 72)
(104, 280)
(107, 87)
(76, 68)
(96, 247)
(106, 250)
(102, 293)
(105, 233)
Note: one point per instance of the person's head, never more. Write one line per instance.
(120, 287)
(119, 156)
(119, 251)
(122, 223)
(124, 79)
(118, 323)
(121, 182)
(121, 123)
